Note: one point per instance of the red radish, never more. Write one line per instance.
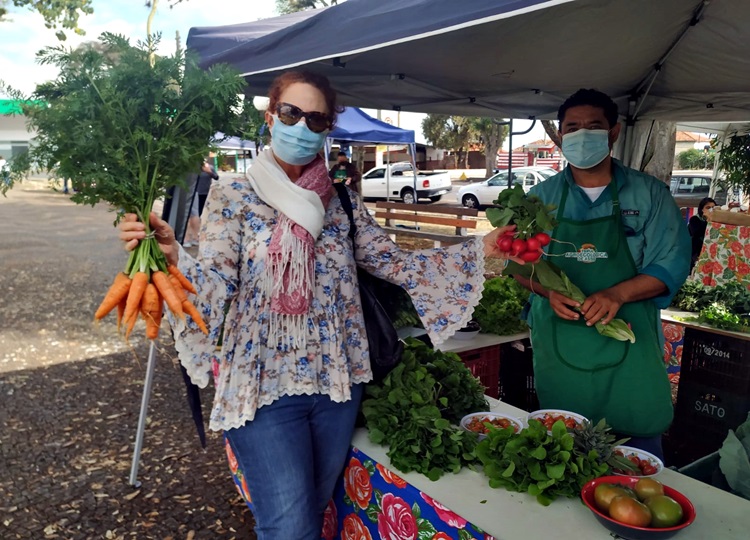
(533, 244)
(543, 238)
(505, 243)
(518, 246)
(530, 256)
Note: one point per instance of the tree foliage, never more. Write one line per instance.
(285, 7)
(490, 135)
(734, 158)
(453, 133)
(695, 159)
(58, 14)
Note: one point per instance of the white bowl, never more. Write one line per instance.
(517, 423)
(537, 415)
(642, 454)
(465, 336)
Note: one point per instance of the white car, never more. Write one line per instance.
(485, 193)
(400, 184)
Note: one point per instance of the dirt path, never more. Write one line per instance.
(70, 395)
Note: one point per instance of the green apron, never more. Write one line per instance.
(577, 369)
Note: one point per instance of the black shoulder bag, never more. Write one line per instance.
(383, 342)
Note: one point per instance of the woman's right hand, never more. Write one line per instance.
(133, 231)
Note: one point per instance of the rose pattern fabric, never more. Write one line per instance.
(674, 338)
(726, 248)
(330, 522)
(445, 284)
(396, 510)
(357, 483)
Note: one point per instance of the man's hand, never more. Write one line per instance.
(601, 307)
(348, 181)
(206, 168)
(564, 307)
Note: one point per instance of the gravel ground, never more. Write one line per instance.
(70, 395)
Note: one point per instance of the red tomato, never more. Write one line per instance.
(518, 246)
(543, 238)
(648, 469)
(533, 244)
(505, 243)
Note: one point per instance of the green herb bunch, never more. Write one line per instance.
(535, 462)
(527, 212)
(123, 124)
(499, 311)
(414, 410)
(724, 306)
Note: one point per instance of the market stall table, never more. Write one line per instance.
(468, 500)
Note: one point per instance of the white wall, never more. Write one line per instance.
(12, 133)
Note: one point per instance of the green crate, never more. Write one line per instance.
(707, 470)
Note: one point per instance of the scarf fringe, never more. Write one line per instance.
(287, 330)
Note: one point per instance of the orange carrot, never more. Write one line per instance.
(117, 291)
(191, 310)
(137, 288)
(151, 309)
(184, 282)
(121, 311)
(167, 291)
(178, 288)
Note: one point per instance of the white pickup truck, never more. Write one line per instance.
(400, 185)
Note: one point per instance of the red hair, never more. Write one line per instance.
(285, 80)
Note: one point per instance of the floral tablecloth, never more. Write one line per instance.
(674, 339)
(725, 255)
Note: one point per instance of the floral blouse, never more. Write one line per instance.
(445, 284)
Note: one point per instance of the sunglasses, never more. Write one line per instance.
(290, 115)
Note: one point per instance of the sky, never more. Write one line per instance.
(24, 34)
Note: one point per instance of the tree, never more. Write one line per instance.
(552, 132)
(695, 159)
(285, 7)
(734, 159)
(452, 133)
(490, 136)
(56, 13)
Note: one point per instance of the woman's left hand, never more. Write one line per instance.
(490, 244)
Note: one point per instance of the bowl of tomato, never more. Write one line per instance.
(648, 464)
(548, 417)
(481, 423)
(634, 511)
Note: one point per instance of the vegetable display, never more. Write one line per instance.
(499, 310)
(725, 306)
(645, 505)
(124, 125)
(417, 408)
(532, 218)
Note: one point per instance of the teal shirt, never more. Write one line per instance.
(655, 230)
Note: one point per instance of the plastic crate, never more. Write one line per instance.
(722, 362)
(707, 470)
(703, 417)
(484, 363)
(517, 386)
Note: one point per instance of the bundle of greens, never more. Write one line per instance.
(412, 411)
(124, 125)
(532, 218)
(499, 311)
(725, 306)
(535, 462)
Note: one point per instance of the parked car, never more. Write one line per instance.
(430, 185)
(689, 187)
(485, 193)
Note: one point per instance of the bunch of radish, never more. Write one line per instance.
(529, 250)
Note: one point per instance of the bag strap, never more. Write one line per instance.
(346, 202)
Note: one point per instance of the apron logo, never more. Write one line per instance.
(627, 213)
(587, 254)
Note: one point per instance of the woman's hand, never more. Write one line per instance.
(490, 244)
(133, 231)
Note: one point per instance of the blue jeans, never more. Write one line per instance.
(292, 454)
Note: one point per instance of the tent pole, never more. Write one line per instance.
(388, 173)
(147, 383)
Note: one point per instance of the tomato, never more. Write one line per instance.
(505, 243)
(518, 246)
(665, 511)
(648, 487)
(605, 493)
(533, 244)
(647, 469)
(543, 238)
(478, 424)
(530, 256)
(630, 512)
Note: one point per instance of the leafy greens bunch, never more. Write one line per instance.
(413, 411)
(724, 306)
(535, 462)
(499, 311)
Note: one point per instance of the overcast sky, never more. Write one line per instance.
(24, 34)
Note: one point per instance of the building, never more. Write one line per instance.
(541, 153)
(686, 140)
(14, 136)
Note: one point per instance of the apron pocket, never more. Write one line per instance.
(581, 347)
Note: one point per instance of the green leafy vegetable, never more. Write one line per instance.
(724, 306)
(499, 311)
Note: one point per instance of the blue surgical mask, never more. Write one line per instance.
(586, 148)
(295, 145)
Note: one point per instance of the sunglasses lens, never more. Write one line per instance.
(318, 122)
(289, 114)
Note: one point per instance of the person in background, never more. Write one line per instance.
(345, 171)
(205, 178)
(697, 228)
(277, 263)
(622, 239)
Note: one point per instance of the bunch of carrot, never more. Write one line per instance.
(146, 284)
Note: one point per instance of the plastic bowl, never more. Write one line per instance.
(537, 415)
(517, 424)
(465, 336)
(636, 533)
(642, 454)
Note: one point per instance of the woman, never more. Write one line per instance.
(697, 228)
(274, 250)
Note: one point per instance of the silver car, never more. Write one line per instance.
(485, 193)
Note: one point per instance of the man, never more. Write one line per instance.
(203, 185)
(345, 171)
(622, 240)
